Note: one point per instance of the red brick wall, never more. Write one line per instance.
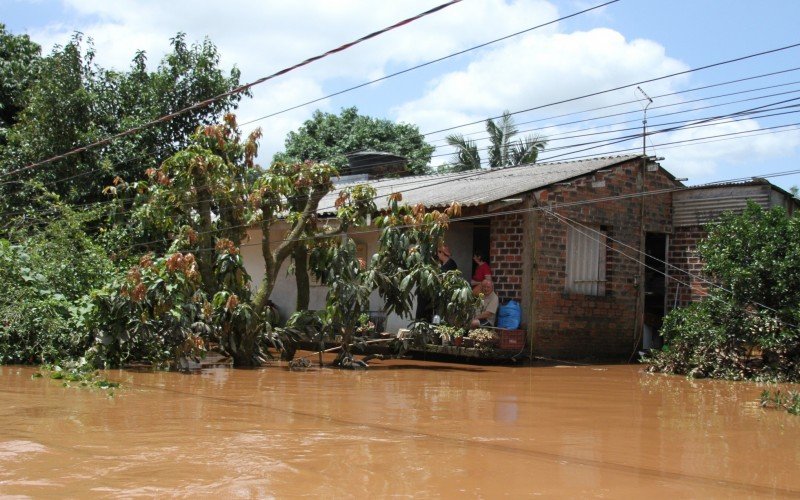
(505, 255)
(686, 283)
(570, 325)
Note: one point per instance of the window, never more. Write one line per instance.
(586, 261)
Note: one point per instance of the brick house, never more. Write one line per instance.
(563, 239)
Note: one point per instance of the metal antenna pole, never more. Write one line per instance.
(644, 121)
(638, 322)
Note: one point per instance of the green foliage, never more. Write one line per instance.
(503, 150)
(748, 330)
(789, 401)
(483, 338)
(18, 59)
(328, 138)
(403, 264)
(155, 313)
(756, 255)
(447, 333)
(78, 371)
(46, 276)
(206, 196)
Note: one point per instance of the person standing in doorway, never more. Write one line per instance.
(425, 303)
(482, 271)
(447, 262)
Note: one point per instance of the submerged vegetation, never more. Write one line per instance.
(789, 401)
(78, 372)
(747, 326)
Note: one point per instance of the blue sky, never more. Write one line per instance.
(626, 42)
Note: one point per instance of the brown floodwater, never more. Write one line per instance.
(400, 429)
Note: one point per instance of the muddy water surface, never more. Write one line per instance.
(400, 429)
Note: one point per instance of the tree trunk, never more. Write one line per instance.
(243, 346)
(205, 256)
(301, 277)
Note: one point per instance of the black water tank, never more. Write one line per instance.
(377, 164)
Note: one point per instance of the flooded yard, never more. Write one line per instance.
(402, 428)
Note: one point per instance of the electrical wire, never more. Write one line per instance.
(641, 82)
(428, 63)
(605, 143)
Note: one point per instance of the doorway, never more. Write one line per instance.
(480, 242)
(655, 289)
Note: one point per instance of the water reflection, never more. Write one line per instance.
(399, 429)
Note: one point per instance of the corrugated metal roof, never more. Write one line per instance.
(477, 187)
(696, 206)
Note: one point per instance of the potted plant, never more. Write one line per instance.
(449, 334)
(483, 338)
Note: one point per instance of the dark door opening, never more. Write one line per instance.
(655, 289)
(480, 243)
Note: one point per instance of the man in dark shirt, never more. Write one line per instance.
(424, 303)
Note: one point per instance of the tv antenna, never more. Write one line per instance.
(644, 120)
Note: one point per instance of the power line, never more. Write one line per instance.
(638, 111)
(419, 182)
(469, 174)
(642, 82)
(148, 155)
(440, 59)
(237, 90)
(564, 136)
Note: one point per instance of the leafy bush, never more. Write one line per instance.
(155, 313)
(790, 401)
(46, 280)
(748, 328)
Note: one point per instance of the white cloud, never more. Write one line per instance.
(705, 160)
(540, 69)
(261, 38)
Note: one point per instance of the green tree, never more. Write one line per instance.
(749, 327)
(404, 263)
(48, 274)
(18, 58)
(504, 151)
(73, 102)
(207, 195)
(327, 137)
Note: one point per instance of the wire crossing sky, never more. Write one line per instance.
(613, 46)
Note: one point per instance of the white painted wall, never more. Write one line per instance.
(458, 238)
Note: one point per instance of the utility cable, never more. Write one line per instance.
(153, 153)
(641, 82)
(440, 59)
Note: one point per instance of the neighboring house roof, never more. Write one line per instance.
(699, 205)
(477, 187)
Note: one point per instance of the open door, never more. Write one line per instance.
(480, 244)
(655, 289)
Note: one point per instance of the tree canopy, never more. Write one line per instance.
(70, 101)
(18, 58)
(327, 137)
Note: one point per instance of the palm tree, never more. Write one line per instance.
(467, 156)
(503, 151)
